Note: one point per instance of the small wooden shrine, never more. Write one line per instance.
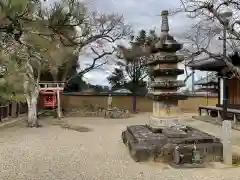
(48, 95)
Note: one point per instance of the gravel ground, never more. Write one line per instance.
(53, 153)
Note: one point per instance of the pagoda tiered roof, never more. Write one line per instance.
(164, 65)
(171, 58)
(167, 72)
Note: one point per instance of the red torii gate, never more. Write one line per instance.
(49, 95)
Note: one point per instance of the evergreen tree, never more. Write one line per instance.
(134, 61)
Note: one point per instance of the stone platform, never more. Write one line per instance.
(179, 145)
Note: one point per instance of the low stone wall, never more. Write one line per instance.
(144, 104)
(97, 112)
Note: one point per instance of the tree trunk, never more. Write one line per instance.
(32, 110)
(134, 99)
(134, 103)
(31, 90)
(59, 111)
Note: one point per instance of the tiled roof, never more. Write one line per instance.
(122, 91)
(206, 64)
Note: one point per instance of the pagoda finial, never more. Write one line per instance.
(165, 26)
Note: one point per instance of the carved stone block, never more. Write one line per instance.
(175, 145)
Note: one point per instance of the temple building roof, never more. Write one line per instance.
(211, 64)
(122, 91)
(206, 64)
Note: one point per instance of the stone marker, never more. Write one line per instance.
(226, 140)
(109, 105)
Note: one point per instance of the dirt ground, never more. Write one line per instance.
(53, 153)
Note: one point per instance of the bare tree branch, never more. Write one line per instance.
(99, 57)
(203, 33)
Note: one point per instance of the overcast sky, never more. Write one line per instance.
(141, 14)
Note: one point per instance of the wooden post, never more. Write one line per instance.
(226, 140)
(193, 80)
(10, 109)
(58, 103)
(18, 109)
(207, 111)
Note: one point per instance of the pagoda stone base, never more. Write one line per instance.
(162, 122)
(165, 108)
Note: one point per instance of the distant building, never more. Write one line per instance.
(124, 91)
(89, 90)
(208, 85)
(106, 88)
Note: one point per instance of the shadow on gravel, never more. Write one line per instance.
(76, 128)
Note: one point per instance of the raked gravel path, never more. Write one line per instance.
(52, 153)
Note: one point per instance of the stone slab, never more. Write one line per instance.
(145, 145)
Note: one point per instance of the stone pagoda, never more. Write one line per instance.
(165, 72)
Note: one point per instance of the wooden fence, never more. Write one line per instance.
(12, 110)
